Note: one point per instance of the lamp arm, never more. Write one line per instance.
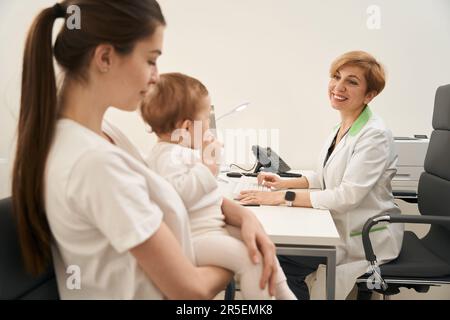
(236, 109)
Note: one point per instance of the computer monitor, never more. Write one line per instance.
(212, 121)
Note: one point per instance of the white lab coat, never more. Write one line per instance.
(355, 184)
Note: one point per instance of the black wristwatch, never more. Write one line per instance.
(289, 197)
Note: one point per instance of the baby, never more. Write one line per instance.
(178, 110)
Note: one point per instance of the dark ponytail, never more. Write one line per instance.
(121, 23)
(35, 132)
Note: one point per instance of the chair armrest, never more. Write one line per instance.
(419, 219)
(408, 196)
(396, 218)
(401, 193)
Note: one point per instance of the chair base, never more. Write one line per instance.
(394, 285)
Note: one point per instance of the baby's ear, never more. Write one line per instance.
(186, 125)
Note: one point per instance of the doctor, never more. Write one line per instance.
(353, 178)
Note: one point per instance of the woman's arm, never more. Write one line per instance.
(131, 222)
(367, 164)
(163, 261)
(254, 238)
(274, 181)
(302, 198)
(297, 183)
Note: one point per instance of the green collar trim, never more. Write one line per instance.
(360, 122)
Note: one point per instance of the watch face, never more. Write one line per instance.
(290, 196)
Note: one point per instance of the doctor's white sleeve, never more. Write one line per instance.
(367, 164)
(106, 191)
(313, 180)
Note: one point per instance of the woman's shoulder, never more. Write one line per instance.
(79, 156)
(72, 141)
(376, 122)
(78, 148)
(121, 140)
(376, 125)
(375, 132)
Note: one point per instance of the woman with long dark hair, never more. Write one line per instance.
(81, 191)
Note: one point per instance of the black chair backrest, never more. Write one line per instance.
(15, 282)
(434, 183)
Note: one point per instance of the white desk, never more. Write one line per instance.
(298, 232)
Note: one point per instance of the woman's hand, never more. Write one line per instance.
(261, 197)
(271, 180)
(256, 240)
(164, 262)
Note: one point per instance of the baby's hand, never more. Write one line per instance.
(211, 153)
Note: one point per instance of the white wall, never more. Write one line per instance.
(15, 18)
(275, 54)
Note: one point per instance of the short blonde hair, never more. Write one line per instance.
(373, 70)
(175, 98)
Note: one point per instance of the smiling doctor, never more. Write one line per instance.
(354, 174)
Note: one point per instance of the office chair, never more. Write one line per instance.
(422, 262)
(15, 282)
(230, 291)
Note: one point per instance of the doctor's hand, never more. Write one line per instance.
(271, 180)
(260, 197)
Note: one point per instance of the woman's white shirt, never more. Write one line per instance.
(101, 201)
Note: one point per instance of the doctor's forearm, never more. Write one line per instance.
(302, 199)
(298, 183)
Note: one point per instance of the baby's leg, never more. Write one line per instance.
(231, 253)
(283, 292)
